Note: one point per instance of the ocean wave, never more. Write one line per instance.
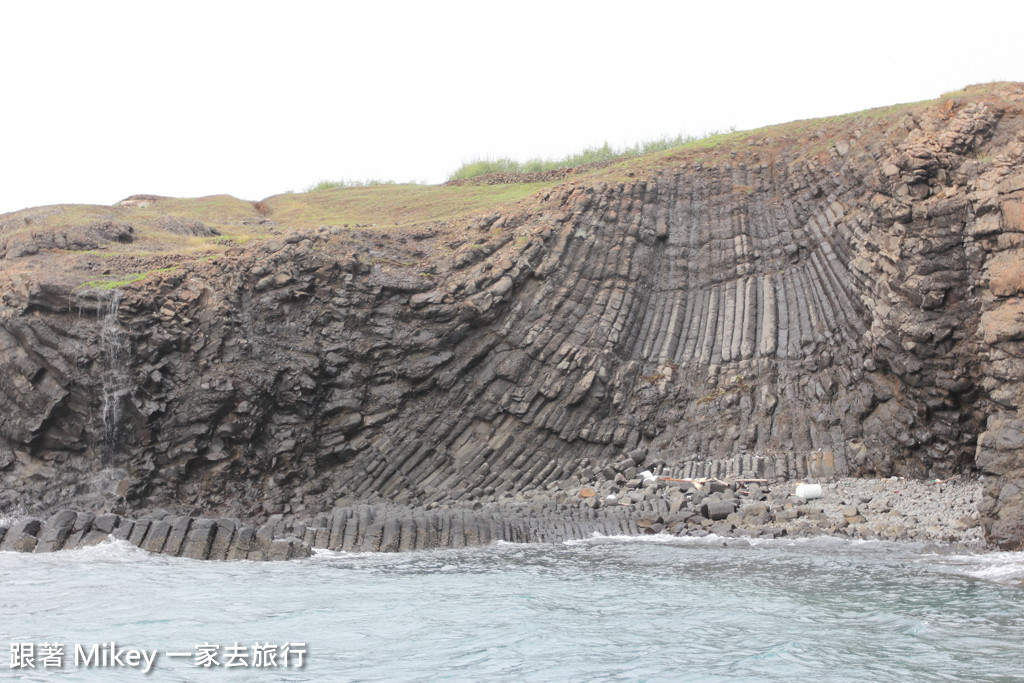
(716, 541)
(110, 549)
(999, 567)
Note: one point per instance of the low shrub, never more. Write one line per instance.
(590, 155)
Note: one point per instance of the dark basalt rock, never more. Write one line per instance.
(365, 528)
(855, 310)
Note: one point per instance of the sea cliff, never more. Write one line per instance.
(824, 300)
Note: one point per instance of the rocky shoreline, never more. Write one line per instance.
(832, 298)
(894, 509)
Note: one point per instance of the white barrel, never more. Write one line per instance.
(808, 491)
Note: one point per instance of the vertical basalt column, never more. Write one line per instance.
(750, 318)
(726, 322)
(674, 327)
(710, 329)
(769, 319)
(736, 335)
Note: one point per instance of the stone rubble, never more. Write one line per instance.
(894, 509)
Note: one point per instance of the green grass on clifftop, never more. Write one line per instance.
(161, 240)
(590, 155)
(339, 184)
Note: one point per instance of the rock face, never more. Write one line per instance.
(850, 305)
(899, 509)
(357, 528)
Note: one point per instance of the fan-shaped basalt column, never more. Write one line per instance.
(784, 311)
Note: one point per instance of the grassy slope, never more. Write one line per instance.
(402, 206)
(810, 137)
(392, 205)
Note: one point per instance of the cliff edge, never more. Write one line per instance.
(839, 297)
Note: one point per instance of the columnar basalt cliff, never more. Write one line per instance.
(846, 302)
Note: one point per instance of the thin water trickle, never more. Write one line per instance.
(115, 353)
(598, 610)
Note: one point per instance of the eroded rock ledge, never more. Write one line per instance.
(852, 305)
(939, 512)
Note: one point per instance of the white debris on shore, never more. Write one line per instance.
(905, 509)
(894, 508)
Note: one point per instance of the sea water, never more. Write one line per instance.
(605, 609)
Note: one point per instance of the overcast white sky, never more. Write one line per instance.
(101, 100)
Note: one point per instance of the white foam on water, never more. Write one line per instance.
(325, 554)
(999, 567)
(808, 543)
(709, 540)
(493, 612)
(108, 549)
(825, 542)
(655, 539)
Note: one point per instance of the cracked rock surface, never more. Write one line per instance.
(844, 307)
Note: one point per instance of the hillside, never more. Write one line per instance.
(835, 297)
